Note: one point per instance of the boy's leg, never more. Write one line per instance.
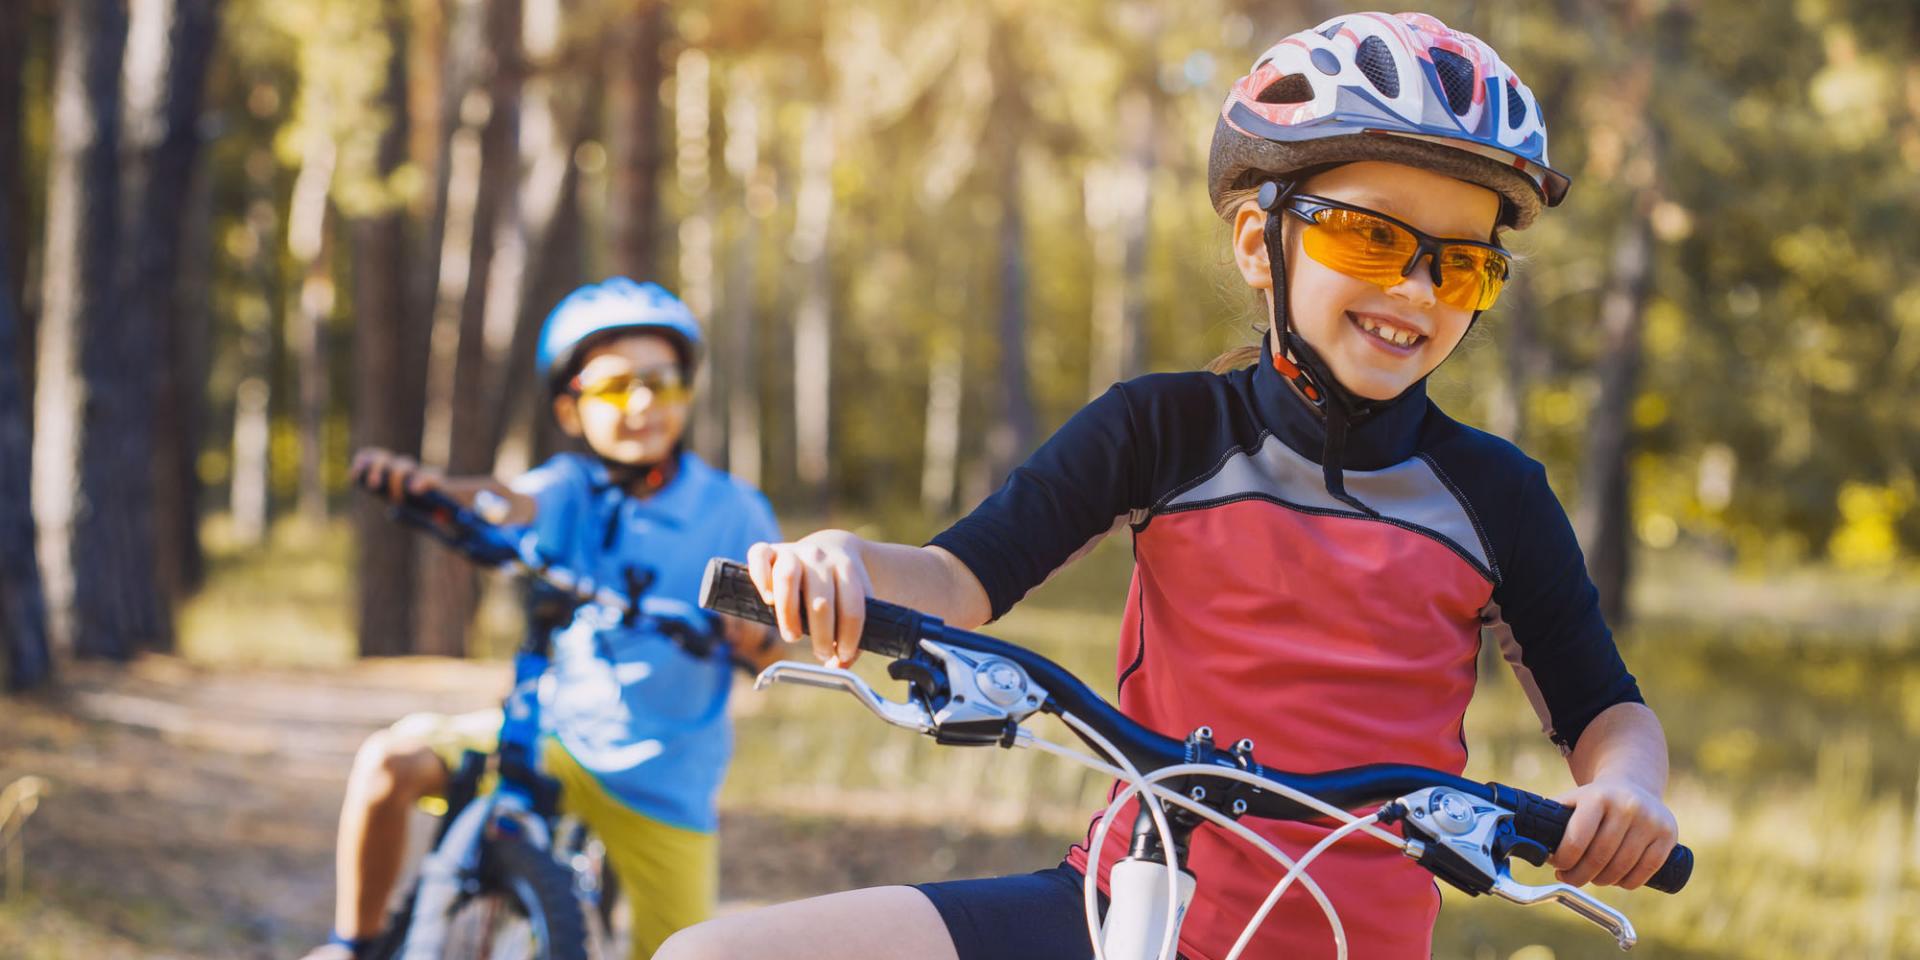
(394, 769)
(669, 876)
(390, 774)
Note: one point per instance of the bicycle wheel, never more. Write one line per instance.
(524, 909)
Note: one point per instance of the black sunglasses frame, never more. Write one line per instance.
(1305, 205)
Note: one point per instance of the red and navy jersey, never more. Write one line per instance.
(1263, 607)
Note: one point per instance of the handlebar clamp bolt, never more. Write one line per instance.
(1239, 808)
(1198, 793)
(1243, 746)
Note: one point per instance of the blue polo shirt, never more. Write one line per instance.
(646, 719)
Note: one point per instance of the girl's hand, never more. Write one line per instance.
(396, 475)
(824, 575)
(1620, 834)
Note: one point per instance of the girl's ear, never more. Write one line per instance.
(566, 412)
(1250, 245)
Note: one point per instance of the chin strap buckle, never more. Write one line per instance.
(1299, 379)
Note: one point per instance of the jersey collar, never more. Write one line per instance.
(1389, 436)
(672, 504)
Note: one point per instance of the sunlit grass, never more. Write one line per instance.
(287, 602)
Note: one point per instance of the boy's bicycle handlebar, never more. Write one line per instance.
(979, 706)
(488, 545)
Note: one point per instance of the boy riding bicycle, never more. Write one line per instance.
(638, 736)
(1319, 550)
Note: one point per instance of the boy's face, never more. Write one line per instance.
(629, 401)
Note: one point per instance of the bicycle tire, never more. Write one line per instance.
(525, 877)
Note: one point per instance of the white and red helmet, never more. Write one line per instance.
(1376, 86)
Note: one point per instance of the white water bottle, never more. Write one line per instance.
(1137, 910)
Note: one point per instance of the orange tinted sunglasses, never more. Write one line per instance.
(1371, 246)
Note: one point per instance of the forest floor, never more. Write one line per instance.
(191, 799)
(190, 810)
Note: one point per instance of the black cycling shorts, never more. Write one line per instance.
(1029, 916)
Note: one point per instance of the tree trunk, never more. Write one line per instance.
(1605, 515)
(312, 301)
(23, 612)
(940, 466)
(813, 323)
(634, 133)
(387, 367)
(23, 615)
(738, 367)
(13, 182)
(249, 493)
(451, 585)
(1118, 202)
(166, 290)
(1522, 357)
(1012, 434)
(180, 401)
(561, 107)
(117, 605)
(693, 135)
(1604, 520)
(83, 209)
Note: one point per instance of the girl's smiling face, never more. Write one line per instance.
(1377, 341)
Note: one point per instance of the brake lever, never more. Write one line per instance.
(1571, 897)
(912, 716)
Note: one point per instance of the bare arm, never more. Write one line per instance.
(1624, 742)
(1621, 831)
(397, 475)
(830, 574)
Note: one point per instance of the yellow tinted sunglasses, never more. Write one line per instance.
(662, 386)
(1371, 246)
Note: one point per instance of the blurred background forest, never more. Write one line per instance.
(240, 238)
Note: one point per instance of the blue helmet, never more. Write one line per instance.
(616, 303)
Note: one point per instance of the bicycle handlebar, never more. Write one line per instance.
(895, 631)
(485, 543)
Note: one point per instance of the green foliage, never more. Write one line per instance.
(1781, 137)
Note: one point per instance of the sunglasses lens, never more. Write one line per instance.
(1368, 248)
(1471, 277)
(620, 390)
(1360, 246)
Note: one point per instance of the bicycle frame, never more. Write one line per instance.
(523, 800)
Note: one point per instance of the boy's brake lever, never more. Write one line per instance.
(912, 716)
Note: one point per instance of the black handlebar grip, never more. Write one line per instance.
(891, 630)
(1541, 819)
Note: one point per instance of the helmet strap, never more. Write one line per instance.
(1302, 367)
(643, 479)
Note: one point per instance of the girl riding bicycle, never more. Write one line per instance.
(1319, 551)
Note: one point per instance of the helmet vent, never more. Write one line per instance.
(1456, 76)
(1376, 61)
(1516, 107)
(1332, 30)
(1292, 88)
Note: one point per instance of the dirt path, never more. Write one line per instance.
(191, 811)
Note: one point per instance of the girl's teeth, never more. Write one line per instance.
(1393, 335)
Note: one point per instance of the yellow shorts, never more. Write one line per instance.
(669, 876)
